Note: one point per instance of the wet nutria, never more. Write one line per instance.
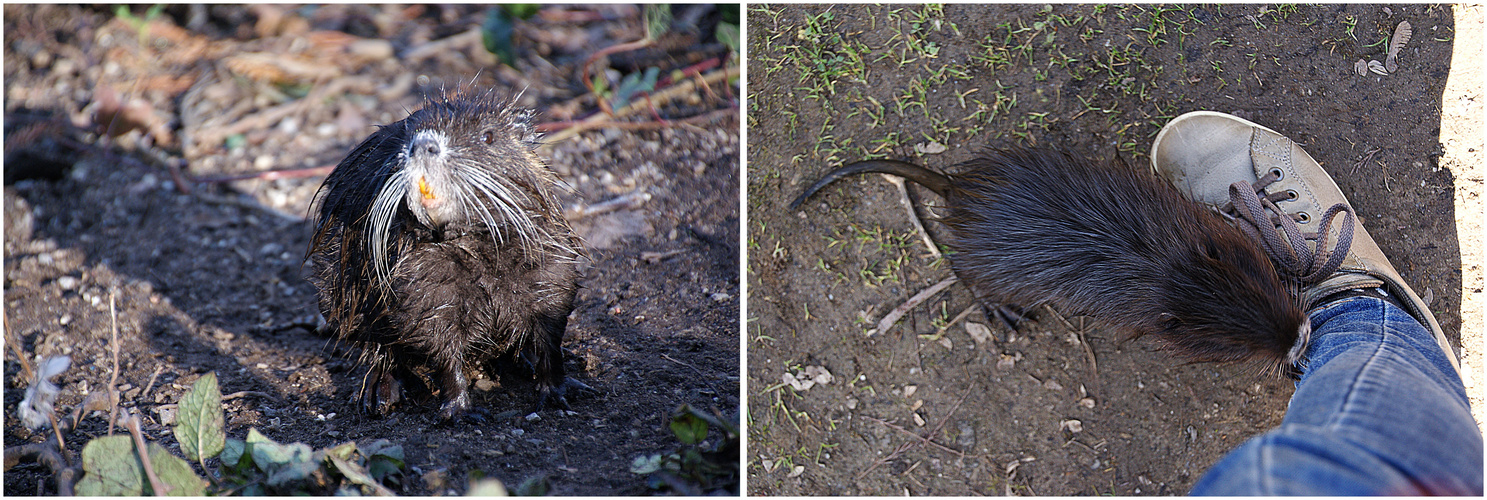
(1035, 226)
(439, 243)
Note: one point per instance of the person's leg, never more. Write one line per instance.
(1380, 408)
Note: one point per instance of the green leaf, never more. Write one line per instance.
(199, 420)
(688, 428)
(635, 83)
(342, 451)
(234, 141)
(646, 464)
(534, 487)
(657, 20)
(255, 437)
(270, 456)
(521, 11)
(110, 468)
(174, 473)
(293, 472)
(385, 459)
(384, 448)
(232, 452)
(728, 35)
(496, 32)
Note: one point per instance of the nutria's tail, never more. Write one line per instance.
(933, 180)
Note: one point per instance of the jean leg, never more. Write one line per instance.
(1379, 410)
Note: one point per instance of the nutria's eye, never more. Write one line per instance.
(489, 137)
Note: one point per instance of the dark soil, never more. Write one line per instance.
(212, 281)
(1064, 408)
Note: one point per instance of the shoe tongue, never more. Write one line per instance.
(1344, 282)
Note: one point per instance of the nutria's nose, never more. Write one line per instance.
(424, 144)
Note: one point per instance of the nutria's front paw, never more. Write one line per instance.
(557, 396)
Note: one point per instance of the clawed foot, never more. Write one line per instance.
(380, 392)
(1009, 315)
(473, 415)
(557, 396)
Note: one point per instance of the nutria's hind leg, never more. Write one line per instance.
(455, 388)
(558, 395)
(546, 357)
(380, 390)
(1008, 314)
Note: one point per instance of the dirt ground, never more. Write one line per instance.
(211, 281)
(1062, 408)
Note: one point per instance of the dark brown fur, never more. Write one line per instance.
(1035, 226)
(474, 271)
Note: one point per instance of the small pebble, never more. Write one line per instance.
(67, 282)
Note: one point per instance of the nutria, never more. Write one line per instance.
(439, 243)
(1034, 226)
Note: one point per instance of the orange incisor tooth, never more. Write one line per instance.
(423, 187)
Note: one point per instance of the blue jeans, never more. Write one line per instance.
(1378, 411)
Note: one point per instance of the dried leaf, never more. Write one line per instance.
(931, 148)
(1401, 36)
(36, 409)
(280, 68)
(979, 332)
(818, 374)
(355, 473)
(797, 383)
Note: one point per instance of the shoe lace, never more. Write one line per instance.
(1280, 237)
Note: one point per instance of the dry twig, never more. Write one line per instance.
(919, 298)
(132, 423)
(1088, 351)
(47, 455)
(911, 444)
(603, 120)
(923, 439)
(903, 199)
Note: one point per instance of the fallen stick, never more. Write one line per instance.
(600, 120)
(919, 298)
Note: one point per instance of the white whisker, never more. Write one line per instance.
(380, 221)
